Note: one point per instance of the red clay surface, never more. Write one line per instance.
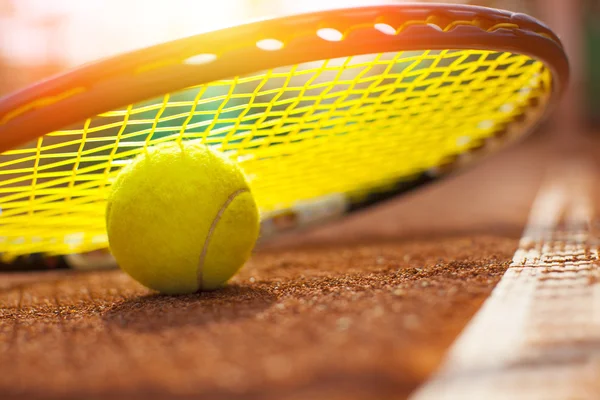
(361, 309)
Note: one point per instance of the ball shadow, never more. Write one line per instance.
(158, 312)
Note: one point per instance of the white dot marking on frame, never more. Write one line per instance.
(269, 44)
(385, 28)
(330, 34)
(200, 59)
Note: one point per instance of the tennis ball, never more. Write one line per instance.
(181, 218)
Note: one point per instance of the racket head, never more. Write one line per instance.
(327, 112)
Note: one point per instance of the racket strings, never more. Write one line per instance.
(302, 132)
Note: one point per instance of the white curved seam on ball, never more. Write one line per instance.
(213, 226)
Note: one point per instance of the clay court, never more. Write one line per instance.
(384, 304)
(362, 309)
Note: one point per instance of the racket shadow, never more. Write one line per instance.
(156, 312)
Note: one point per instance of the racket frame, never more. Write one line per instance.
(125, 79)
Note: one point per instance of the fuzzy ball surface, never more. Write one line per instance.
(181, 218)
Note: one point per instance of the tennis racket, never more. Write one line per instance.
(327, 113)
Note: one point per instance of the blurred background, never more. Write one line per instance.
(39, 38)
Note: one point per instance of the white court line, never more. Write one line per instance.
(538, 334)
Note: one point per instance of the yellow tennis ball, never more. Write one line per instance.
(181, 218)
